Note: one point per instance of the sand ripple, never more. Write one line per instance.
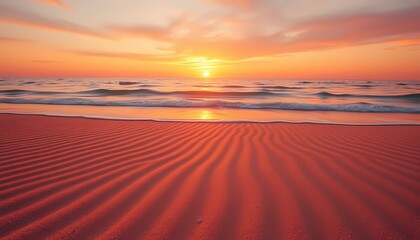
(73, 178)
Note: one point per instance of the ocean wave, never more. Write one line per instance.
(25, 92)
(281, 87)
(30, 82)
(232, 86)
(267, 91)
(412, 97)
(145, 92)
(364, 85)
(127, 83)
(181, 93)
(348, 107)
(222, 86)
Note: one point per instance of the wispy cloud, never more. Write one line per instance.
(55, 3)
(11, 39)
(328, 32)
(238, 4)
(314, 34)
(164, 58)
(10, 15)
(362, 28)
(233, 37)
(139, 31)
(45, 61)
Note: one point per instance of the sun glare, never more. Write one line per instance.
(206, 115)
(206, 74)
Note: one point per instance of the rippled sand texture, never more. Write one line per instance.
(73, 178)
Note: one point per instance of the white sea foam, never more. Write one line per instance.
(347, 107)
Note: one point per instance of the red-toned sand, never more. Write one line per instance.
(74, 178)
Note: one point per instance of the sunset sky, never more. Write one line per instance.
(312, 39)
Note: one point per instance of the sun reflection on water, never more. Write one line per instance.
(206, 115)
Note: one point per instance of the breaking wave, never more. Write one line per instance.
(348, 107)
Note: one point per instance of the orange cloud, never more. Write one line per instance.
(239, 4)
(233, 38)
(165, 58)
(362, 28)
(150, 32)
(315, 34)
(10, 39)
(14, 16)
(326, 33)
(44, 61)
(55, 3)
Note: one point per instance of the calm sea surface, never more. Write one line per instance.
(336, 101)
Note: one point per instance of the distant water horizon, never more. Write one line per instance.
(330, 101)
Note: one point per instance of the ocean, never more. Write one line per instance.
(261, 100)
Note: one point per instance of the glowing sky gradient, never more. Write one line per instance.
(314, 39)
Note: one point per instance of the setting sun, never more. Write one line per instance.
(206, 74)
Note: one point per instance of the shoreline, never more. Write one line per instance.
(209, 121)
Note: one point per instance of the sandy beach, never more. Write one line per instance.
(76, 178)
